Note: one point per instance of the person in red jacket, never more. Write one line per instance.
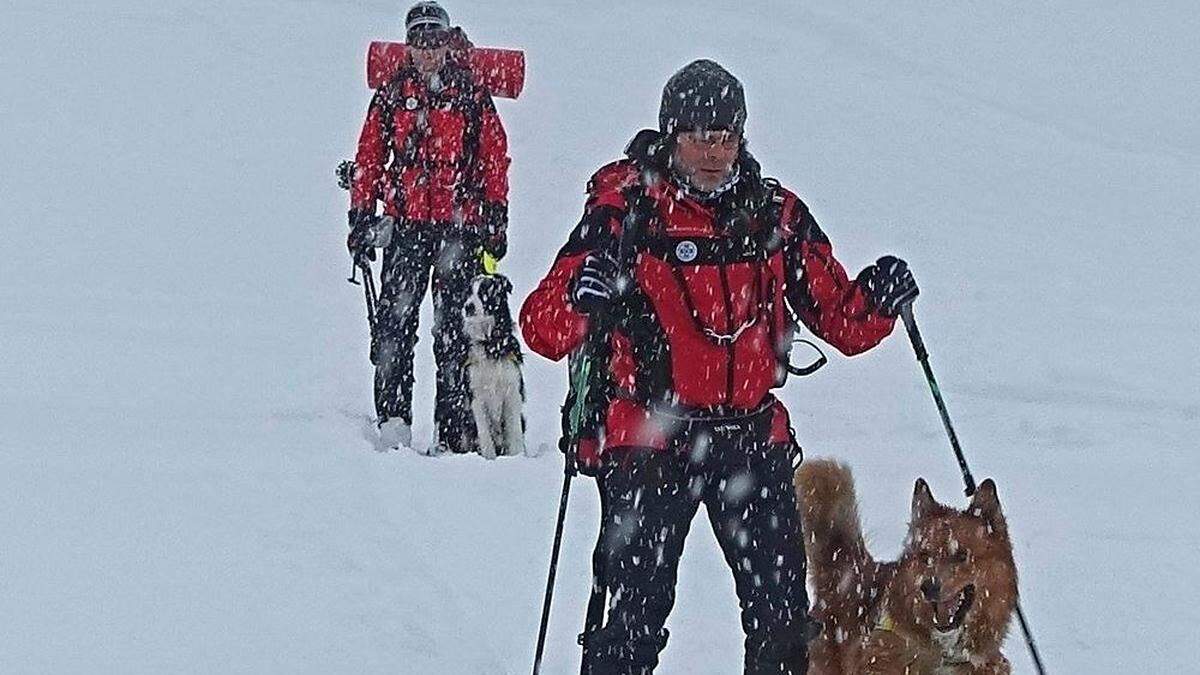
(703, 321)
(433, 152)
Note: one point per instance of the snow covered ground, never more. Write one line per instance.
(185, 483)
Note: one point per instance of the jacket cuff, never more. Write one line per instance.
(358, 217)
(495, 216)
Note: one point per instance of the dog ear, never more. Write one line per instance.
(923, 502)
(985, 504)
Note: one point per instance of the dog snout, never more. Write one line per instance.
(931, 588)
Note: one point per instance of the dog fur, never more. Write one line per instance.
(943, 608)
(494, 368)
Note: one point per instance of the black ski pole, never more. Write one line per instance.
(368, 284)
(914, 335)
(583, 375)
(594, 618)
(582, 367)
(369, 291)
(345, 176)
(568, 474)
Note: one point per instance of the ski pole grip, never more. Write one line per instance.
(914, 334)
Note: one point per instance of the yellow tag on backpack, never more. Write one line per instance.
(490, 264)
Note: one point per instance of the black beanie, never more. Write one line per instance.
(426, 16)
(702, 95)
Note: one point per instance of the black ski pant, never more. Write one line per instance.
(417, 252)
(649, 500)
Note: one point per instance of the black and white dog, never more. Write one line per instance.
(494, 368)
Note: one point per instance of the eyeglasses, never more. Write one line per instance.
(428, 38)
(712, 138)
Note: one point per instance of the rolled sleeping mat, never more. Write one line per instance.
(500, 71)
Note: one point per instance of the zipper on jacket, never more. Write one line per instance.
(729, 348)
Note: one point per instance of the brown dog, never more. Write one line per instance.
(943, 608)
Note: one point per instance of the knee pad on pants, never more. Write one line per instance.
(620, 650)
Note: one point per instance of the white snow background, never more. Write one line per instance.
(185, 481)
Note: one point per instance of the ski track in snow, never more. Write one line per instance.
(186, 479)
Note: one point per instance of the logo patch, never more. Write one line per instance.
(411, 103)
(686, 251)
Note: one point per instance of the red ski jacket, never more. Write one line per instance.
(706, 327)
(432, 154)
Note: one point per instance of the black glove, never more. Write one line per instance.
(596, 283)
(494, 230)
(889, 285)
(360, 240)
(345, 173)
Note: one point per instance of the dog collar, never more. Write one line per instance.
(885, 623)
(514, 358)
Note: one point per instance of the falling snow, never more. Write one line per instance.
(186, 479)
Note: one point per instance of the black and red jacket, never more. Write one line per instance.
(706, 327)
(432, 155)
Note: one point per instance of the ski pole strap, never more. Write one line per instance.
(581, 380)
(812, 367)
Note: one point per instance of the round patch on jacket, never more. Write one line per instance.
(686, 251)
(411, 103)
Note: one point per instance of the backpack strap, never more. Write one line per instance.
(773, 210)
(471, 103)
(386, 97)
(777, 209)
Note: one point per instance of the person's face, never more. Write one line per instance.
(706, 158)
(429, 48)
(429, 60)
